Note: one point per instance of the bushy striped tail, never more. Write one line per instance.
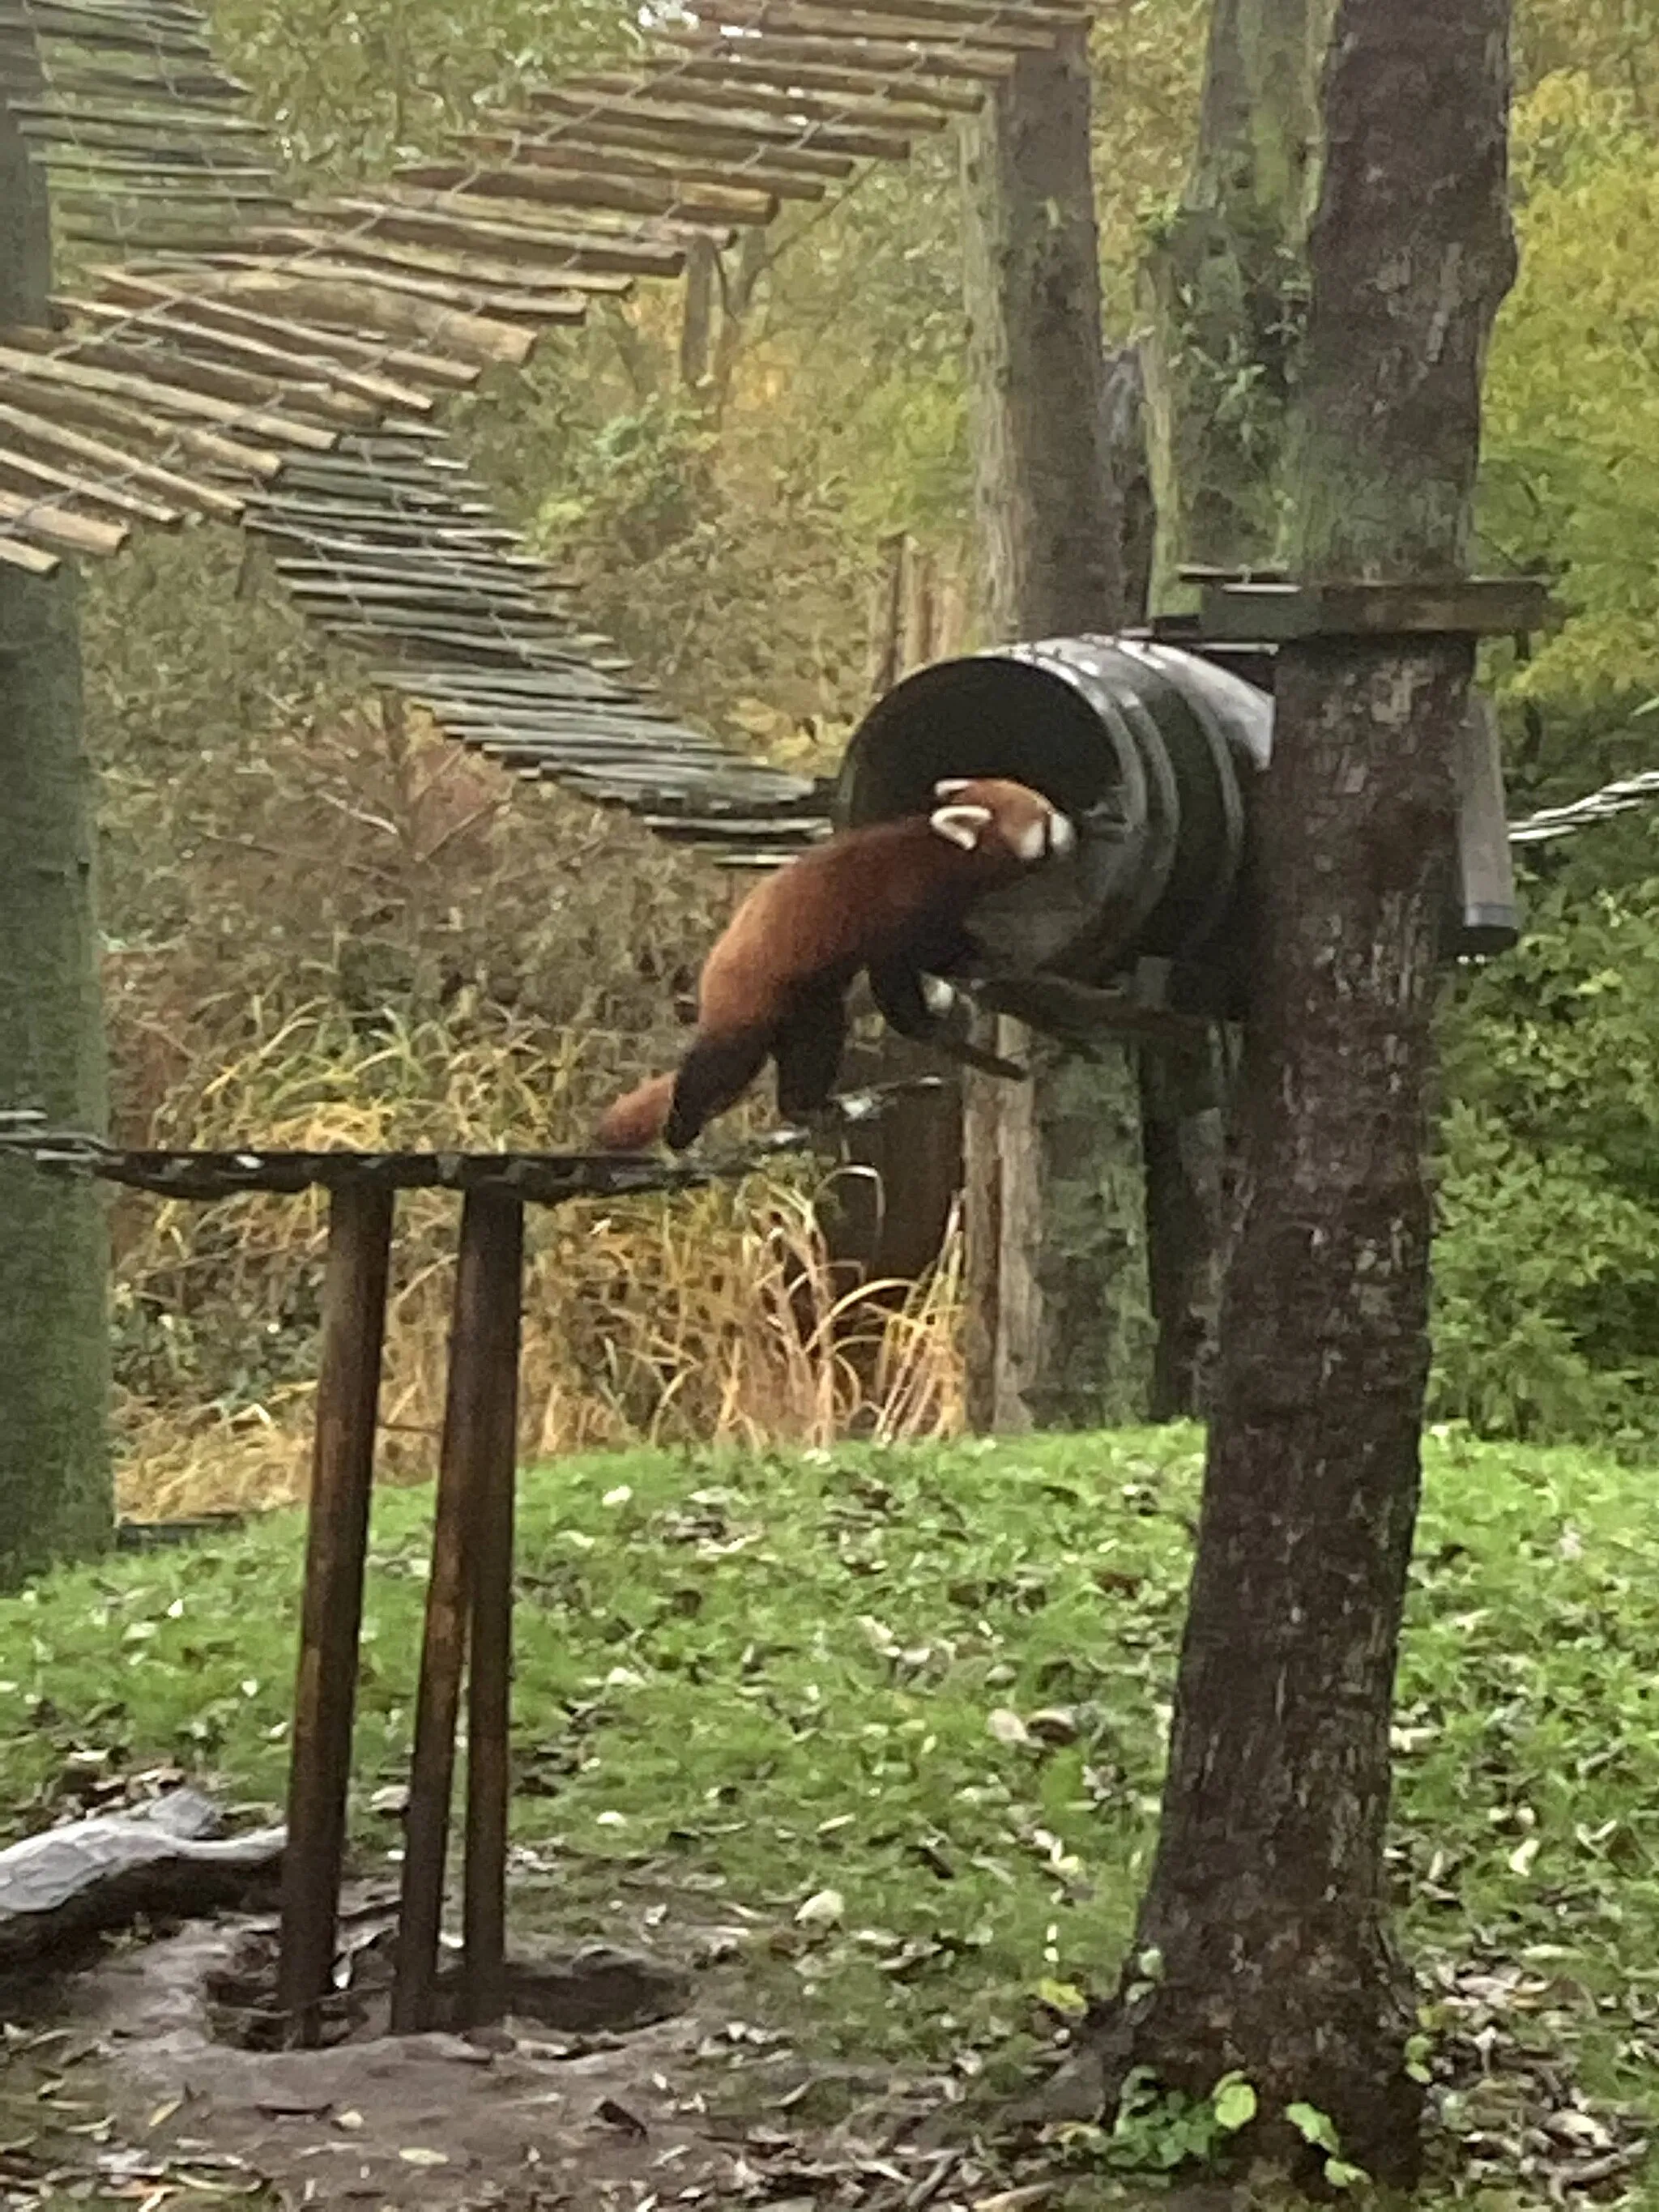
(635, 1122)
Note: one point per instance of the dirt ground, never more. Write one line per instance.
(131, 2091)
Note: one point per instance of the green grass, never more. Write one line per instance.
(744, 1681)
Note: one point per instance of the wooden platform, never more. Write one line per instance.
(467, 1644)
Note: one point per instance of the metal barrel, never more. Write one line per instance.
(1149, 748)
(1156, 752)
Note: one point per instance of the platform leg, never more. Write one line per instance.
(488, 1784)
(471, 1419)
(337, 1546)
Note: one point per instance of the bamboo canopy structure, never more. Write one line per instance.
(244, 356)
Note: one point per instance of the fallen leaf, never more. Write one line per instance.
(413, 2154)
(823, 1909)
(1006, 1727)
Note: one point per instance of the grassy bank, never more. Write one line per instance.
(925, 1690)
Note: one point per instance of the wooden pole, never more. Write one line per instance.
(501, 1241)
(464, 1533)
(337, 1545)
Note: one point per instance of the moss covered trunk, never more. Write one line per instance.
(1267, 1910)
(1054, 1260)
(54, 1343)
(1227, 282)
(1226, 285)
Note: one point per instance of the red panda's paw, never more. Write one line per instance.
(635, 1122)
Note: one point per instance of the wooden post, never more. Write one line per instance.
(486, 1281)
(488, 1786)
(337, 1545)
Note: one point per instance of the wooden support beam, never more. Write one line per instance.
(402, 212)
(542, 184)
(499, 1236)
(355, 246)
(846, 19)
(858, 58)
(33, 560)
(673, 103)
(801, 65)
(467, 321)
(33, 517)
(1280, 612)
(770, 92)
(35, 477)
(523, 139)
(374, 357)
(370, 395)
(336, 1550)
(468, 1599)
(967, 16)
(816, 149)
(154, 432)
(30, 357)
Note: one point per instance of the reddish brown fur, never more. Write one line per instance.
(794, 945)
(633, 1123)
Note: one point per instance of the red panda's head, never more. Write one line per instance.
(1006, 821)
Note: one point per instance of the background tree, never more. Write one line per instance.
(1227, 286)
(1262, 1942)
(54, 1252)
(1055, 1274)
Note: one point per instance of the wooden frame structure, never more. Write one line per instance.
(469, 1609)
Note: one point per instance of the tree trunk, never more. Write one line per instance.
(1182, 1142)
(54, 1341)
(1266, 1908)
(1227, 282)
(698, 315)
(1051, 1339)
(1129, 459)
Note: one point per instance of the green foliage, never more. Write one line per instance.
(1546, 1267)
(1571, 478)
(349, 90)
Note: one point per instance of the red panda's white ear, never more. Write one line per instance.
(951, 786)
(960, 825)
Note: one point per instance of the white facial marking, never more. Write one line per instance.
(937, 996)
(960, 825)
(1062, 836)
(1031, 839)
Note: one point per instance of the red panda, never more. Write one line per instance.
(889, 898)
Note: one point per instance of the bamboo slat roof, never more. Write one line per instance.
(246, 354)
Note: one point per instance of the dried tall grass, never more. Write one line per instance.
(718, 1316)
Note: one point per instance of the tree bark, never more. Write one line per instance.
(1227, 285)
(1227, 282)
(1266, 1907)
(698, 315)
(55, 1497)
(1049, 1335)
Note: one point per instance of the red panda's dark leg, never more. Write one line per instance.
(895, 987)
(714, 1075)
(808, 1050)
